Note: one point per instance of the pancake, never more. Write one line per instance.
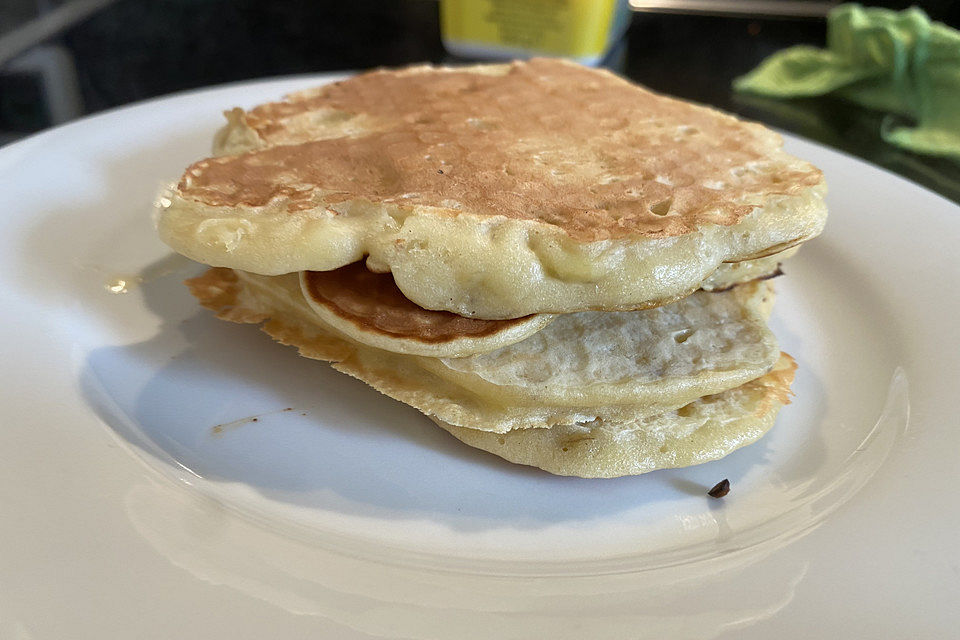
(369, 308)
(706, 429)
(581, 367)
(496, 191)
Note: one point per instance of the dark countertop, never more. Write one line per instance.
(133, 50)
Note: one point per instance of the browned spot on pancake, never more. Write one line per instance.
(577, 148)
(375, 303)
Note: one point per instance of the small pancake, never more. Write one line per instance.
(369, 308)
(581, 367)
(496, 191)
(704, 430)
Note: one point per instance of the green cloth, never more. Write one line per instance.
(898, 62)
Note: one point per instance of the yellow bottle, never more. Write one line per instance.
(582, 30)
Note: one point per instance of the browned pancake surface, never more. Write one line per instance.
(373, 302)
(550, 141)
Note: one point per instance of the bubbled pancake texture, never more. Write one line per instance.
(698, 333)
(706, 429)
(544, 140)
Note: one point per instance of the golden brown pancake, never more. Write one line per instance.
(496, 191)
(420, 228)
(546, 140)
(371, 309)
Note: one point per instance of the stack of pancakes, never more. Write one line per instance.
(553, 264)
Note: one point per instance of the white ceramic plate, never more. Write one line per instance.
(139, 498)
